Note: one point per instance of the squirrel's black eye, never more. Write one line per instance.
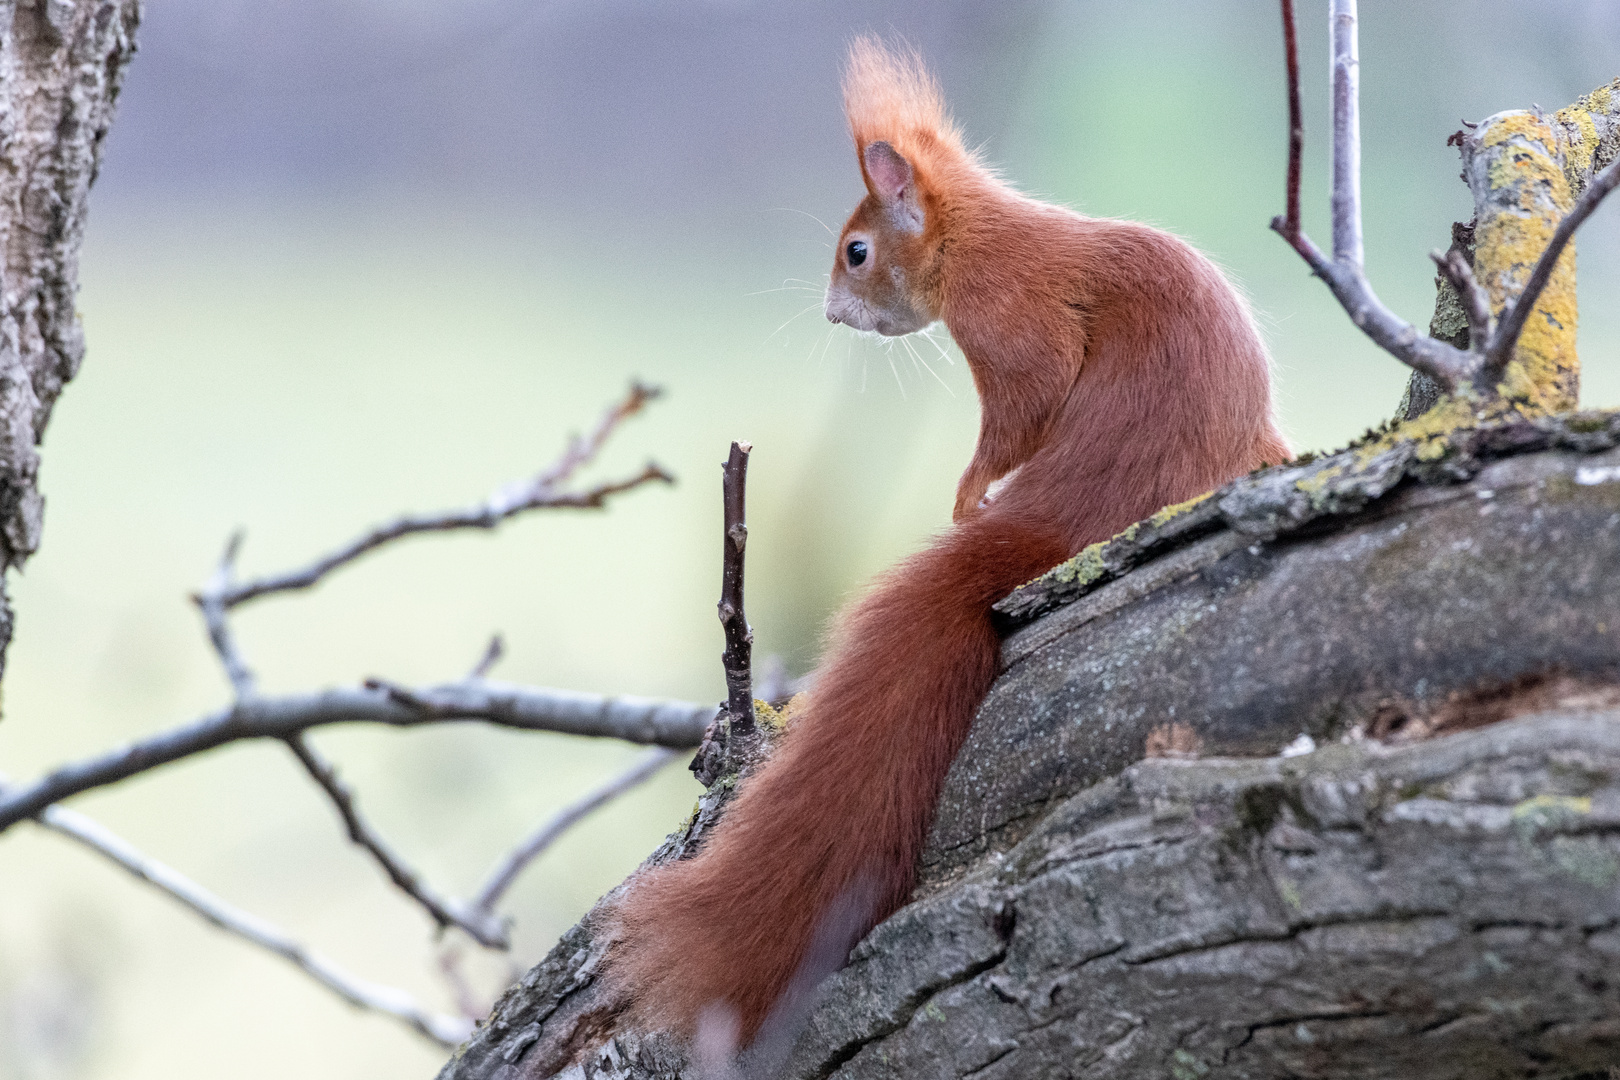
(856, 252)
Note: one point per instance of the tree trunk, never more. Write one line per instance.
(61, 65)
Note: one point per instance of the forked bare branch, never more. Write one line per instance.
(544, 490)
(1490, 350)
(666, 724)
(1343, 273)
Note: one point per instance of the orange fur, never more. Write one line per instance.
(1117, 371)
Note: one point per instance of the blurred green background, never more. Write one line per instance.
(355, 257)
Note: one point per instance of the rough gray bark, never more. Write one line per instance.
(1447, 908)
(61, 65)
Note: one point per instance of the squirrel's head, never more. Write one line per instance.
(881, 277)
(886, 271)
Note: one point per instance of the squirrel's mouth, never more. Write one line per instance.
(851, 311)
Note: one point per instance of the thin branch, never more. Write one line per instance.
(1346, 197)
(1296, 123)
(214, 613)
(1476, 304)
(501, 878)
(675, 724)
(541, 491)
(482, 926)
(447, 1031)
(1512, 322)
(738, 653)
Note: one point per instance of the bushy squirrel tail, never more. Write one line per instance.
(821, 843)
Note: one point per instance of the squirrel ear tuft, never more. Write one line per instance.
(893, 183)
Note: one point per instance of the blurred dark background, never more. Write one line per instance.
(354, 257)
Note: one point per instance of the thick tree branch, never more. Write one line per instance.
(479, 923)
(447, 1031)
(533, 846)
(738, 654)
(675, 724)
(541, 491)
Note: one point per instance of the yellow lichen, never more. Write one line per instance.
(1514, 123)
(1175, 510)
(1552, 806)
(1543, 376)
(776, 719)
(1084, 568)
(1318, 481)
(1578, 158)
(1430, 431)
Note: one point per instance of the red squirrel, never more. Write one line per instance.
(1118, 372)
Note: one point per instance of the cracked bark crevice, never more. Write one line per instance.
(1364, 910)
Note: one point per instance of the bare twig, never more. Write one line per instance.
(676, 724)
(215, 618)
(738, 653)
(501, 878)
(1475, 304)
(492, 656)
(481, 925)
(1512, 321)
(1296, 123)
(1343, 273)
(447, 1031)
(541, 491)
